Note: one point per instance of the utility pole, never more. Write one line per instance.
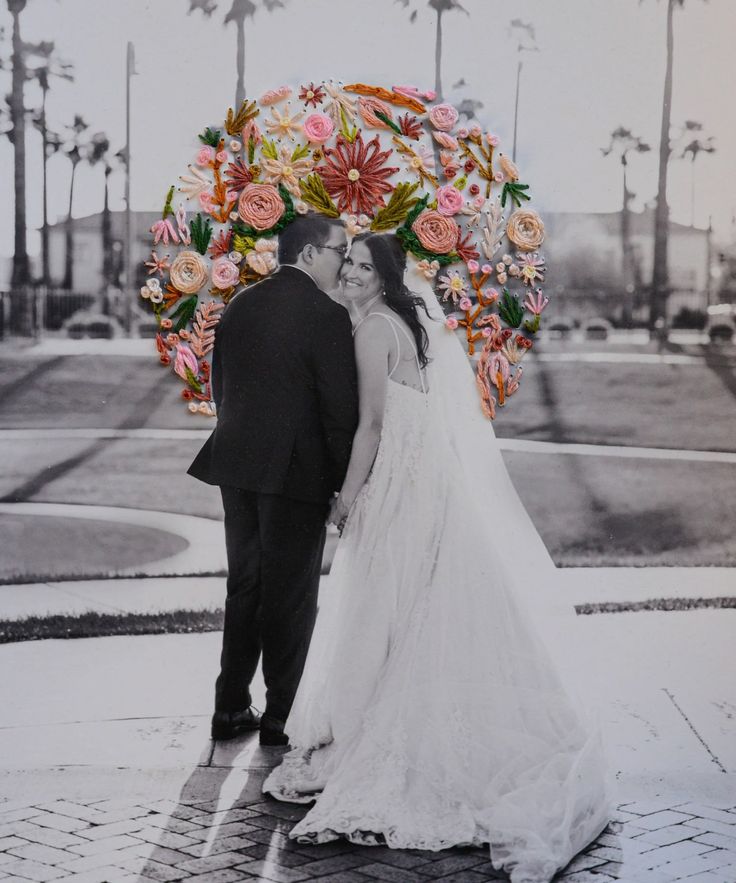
(128, 263)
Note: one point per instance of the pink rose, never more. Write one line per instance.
(443, 117)
(436, 232)
(185, 358)
(465, 303)
(205, 156)
(225, 274)
(486, 268)
(475, 131)
(449, 200)
(473, 266)
(486, 332)
(478, 202)
(221, 156)
(451, 323)
(462, 132)
(318, 127)
(492, 139)
(206, 200)
(260, 206)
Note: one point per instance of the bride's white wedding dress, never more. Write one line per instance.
(429, 714)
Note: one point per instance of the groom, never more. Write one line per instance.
(284, 382)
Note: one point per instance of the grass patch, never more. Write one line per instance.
(722, 603)
(21, 579)
(103, 625)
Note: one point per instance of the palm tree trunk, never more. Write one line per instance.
(106, 234)
(45, 270)
(660, 276)
(240, 85)
(21, 269)
(69, 236)
(438, 57)
(626, 299)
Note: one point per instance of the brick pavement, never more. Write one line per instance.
(245, 838)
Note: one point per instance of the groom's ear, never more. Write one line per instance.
(308, 253)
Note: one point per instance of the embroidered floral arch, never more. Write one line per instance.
(386, 160)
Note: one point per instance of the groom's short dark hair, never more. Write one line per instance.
(308, 229)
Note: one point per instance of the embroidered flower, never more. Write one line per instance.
(182, 226)
(357, 224)
(301, 207)
(194, 183)
(185, 360)
(465, 303)
(235, 146)
(220, 244)
(443, 117)
(311, 94)
(317, 128)
(493, 140)
(410, 126)
(445, 140)
(508, 167)
(428, 269)
(449, 200)
(356, 174)
(451, 323)
(285, 170)
(262, 258)
(274, 95)
(525, 229)
(473, 266)
(251, 130)
(238, 175)
(536, 303)
(436, 232)
(225, 273)
(163, 230)
(532, 268)
(205, 156)
(221, 156)
(260, 206)
(151, 291)
(369, 109)
(157, 264)
(283, 124)
(453, 285)
(188, 272)
(207, 201)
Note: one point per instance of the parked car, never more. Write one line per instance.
(558, 329)
(597, 329)
(721, 323)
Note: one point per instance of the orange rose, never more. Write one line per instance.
(525, 229)
(188, 272)
(436, 232)
(260, 206)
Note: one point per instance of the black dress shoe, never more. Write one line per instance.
(229, 724)
(272, 732)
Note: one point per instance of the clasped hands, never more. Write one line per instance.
(338, 515)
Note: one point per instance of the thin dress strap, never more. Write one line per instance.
(394, 325)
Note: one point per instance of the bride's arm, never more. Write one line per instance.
(371, 356)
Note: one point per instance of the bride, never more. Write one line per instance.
(430, 714)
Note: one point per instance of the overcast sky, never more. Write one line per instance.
(600, 65)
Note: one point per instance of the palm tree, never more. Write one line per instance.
(99, 149)
(75, 149)
(660, 273)
(21, 268)
(440, 7)
(51, 142)
(622, 143)
(693, 149)
(239, 11)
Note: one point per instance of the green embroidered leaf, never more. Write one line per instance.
(510, 310)
(389, 122)
(418, 208)
(192, 380)
(269, 149)
(533, 326)
(349, 132)
(201, 233)
(210, 137)
(314, 192)
(460, 183)
(300, 153)
(400, 203)
(514, 191)
(184, 313)
(243, 244)
(168, 210)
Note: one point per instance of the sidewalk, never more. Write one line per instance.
(184, 807)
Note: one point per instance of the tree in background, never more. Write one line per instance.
(75, 149)
(239, 11)
(622, 143)
(692, 150)
(440, 7)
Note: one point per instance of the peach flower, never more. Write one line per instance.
(525, 229)
(205, 156)
(260, 206)
(188, 272)
(317, 128)
(436, 232)
(369, 107)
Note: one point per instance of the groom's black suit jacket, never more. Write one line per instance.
(284, 382)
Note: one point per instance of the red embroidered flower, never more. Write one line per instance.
(410, 126)
(356, 174)
(238, 175)
(311, 94)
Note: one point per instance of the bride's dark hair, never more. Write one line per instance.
(389, 259)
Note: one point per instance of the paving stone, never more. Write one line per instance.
(92, 862)
(707, 877)
(33, 871)
(388, 872)
(697, 864)
(290, 811)
(399, 858)
(664, 819)
(106, 844)
(345, 862)
(157, 853)
(450, 864)
(721, 840)
(708, 812)
(665, 836)
(210, 862)
(289, 858)
(223, 815)
(227, 844)
(107, 874)
(272, 838)
(224, 875)
(97, 832)
(703, 825)
(158, 871)
(646, 807)
(675, 852)
(582, 863)
(587, 877)
(59, 823)
(264, 870)
(48, 836)
(38, 852)
(73, 810)
(343, 877)
(161, 837)
(177, 826)
(11, 842)
(18, 814)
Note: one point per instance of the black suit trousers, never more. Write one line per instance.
(274, 553)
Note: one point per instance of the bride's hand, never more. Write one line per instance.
(338, 513)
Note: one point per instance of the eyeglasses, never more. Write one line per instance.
(342, 250)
